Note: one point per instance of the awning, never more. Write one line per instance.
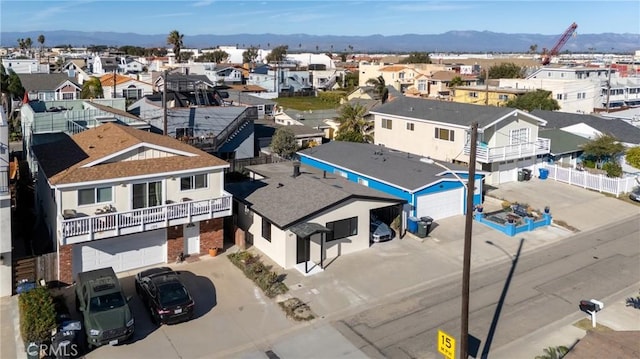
(304, 230)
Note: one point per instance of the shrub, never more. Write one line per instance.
(37, 315)
(613, 169)
(506, 205)
(270, 282)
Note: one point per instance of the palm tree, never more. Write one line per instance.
(554, 353)
(92, 88)
(41, 42)
(28, 43)
(456, 81)
(175, 39)
(353, 126)
(380, 87)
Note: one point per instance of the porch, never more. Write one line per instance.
(485, 154)
(80, 227)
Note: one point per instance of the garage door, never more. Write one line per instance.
(441, 205)
(508, 172)
(121, 253)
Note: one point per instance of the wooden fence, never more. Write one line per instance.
(238, 165)
(35, 268)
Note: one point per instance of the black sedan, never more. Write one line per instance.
(164, 295)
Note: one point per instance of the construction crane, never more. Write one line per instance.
(546, 55)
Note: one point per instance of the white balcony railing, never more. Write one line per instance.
(496, 154)
(139, 220)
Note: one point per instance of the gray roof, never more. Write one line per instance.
(44, 82)
(205, 120)
(394, 167)
(621, 130)
(443, 111)
(313, 118)
(286, 201)
(266, 128)
(247, 98)
(562, 141)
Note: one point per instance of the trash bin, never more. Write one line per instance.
(428, 221)
(422, 229)
(527, 174)
(412, 224)
(544, 173)
(520, 175)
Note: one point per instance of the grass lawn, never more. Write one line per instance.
(586, 325)
(303, 103)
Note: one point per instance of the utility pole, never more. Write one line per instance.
(486, 87)
(114, 84)
(466, 266)
(164, 103)
(609, 86)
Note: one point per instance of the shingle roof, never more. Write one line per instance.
(63, 161)
(266, 128)
(285, 200)
(562, 141)
(107, 79)
(393, 167)
(42, 82)
(313, 118)
(443, 111)
(621, 130)
(113, 110)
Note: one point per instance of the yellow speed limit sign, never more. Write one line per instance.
(446, 345)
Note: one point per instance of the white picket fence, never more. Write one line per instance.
(584, 179)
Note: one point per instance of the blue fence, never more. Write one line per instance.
(511, 229)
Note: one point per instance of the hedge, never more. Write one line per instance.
(37, 315)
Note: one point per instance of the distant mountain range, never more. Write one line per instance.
(452, 41)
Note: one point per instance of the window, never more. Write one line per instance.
(342, 229)
(147, 194)
(559, 96)
(386, 123)
(67, 95)
(193, 182)
(94, 195)
(519, 136)
(473, 94)
(422, 85)
(132, 93)
(410, 126)
(444, 134)
(503, 97)
(340, 173)
(266, 229)
(363, 181)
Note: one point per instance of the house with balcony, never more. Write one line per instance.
(118, 196)
(507, 138)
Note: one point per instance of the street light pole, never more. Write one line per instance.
(466, 266)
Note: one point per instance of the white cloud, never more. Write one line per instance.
(203, 3)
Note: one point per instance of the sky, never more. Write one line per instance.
(327, 17)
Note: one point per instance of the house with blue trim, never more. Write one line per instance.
(431, 188)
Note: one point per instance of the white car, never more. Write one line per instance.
(380, 232)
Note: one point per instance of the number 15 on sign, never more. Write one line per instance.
(446, 345)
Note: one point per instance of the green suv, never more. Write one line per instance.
(105, 311)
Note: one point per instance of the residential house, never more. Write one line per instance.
(485, 95)
(126, 198)
(224, 74)
(300, 218)
(507, 138)
(124, 86)
(129, 65)
(323, 120)
(197, 89)
(50, 87)
(245, 95)
(305, 136)
(439, 83)
(6, 247)
(77, 69)
(281, 78)
(400, 76)
(25, 66)
(566, 148)
(592, 126)
(105, 64)
(43, 121)
(429, 187)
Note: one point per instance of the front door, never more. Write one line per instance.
(192, 238)
(302, 249)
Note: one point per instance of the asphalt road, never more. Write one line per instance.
(508, 300)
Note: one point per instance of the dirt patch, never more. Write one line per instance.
(585, 324)
(297, 309)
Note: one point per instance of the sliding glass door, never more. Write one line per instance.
(147, 194)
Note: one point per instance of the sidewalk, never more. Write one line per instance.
(10, 341)
(615, 315)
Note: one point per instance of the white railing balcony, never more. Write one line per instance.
(486, 154)
(78, 227)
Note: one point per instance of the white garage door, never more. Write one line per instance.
(508, 172)
(121, 253)
(441, 205)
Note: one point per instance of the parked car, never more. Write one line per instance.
(635, 194)
(105, 312)
(380, 231)
(164, 295)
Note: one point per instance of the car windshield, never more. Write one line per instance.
(106, 301)
(172, 294)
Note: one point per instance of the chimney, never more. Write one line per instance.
(296, 168)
